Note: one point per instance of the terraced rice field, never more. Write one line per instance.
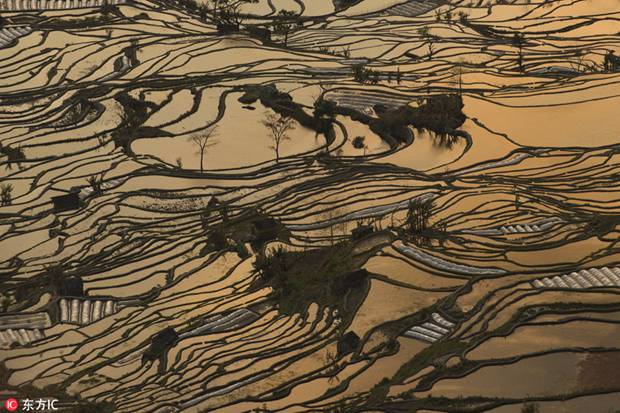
(362, 206)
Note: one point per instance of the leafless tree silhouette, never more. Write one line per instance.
(279, 126)
(203, 141)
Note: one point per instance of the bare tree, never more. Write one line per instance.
(458, 70)
(519, 41)
(202, 141)
(285, 23)
(279, 126)
(331, 362)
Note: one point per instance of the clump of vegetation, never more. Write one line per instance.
(285, 22)
(232, 232)
(324, 115)
(160, 344)
(262, 33)
(214, 205)
(418, 216)
(417, 226)
(217, 240)
(441, 114)
(106, 8)
(299, 278)
(226, 13)
(530, 408)
(135, 113)
(363, 75)
(611, 62)
(5, 302)
(427, 356)
(6, 197)
(359, 142)
(339, 407)
(280, 102)
(54, 279)
(15, 155)
(95, 182)
(344, 52)
(379, 390)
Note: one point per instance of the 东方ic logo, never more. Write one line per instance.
(27, 405)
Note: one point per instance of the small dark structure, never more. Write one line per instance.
(227, 28)
(66, 202)
(612, 62)
(265, 229)
(381, 108)
(362, 231)
(72, 286)
(213, 203)
(260, 32)
(347, 344)
(160, 344)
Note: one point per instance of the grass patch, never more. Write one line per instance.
(427, 356)
(326, 276)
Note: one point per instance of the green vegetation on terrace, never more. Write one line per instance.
(14, 155)
(135, 113)
(327, 276)
(441, 114)
(427, 356)
(250, 226)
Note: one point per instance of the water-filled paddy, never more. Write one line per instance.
(428, 265)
